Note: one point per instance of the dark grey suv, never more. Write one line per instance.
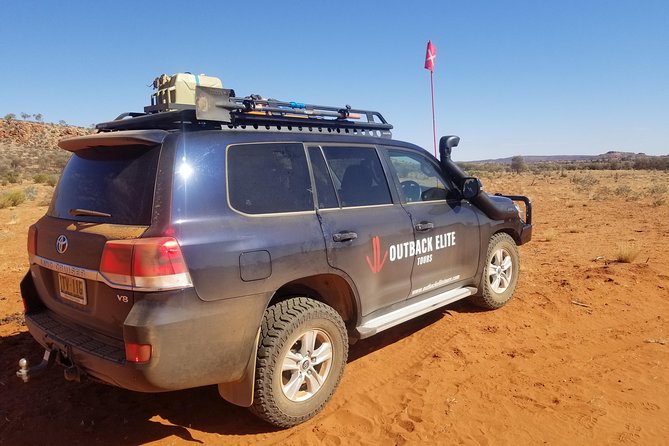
(248, 242)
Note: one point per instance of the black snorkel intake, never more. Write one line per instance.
(497, 208)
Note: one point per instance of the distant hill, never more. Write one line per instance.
(28, 148)
(530, 159)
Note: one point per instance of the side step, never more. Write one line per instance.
(410, 311)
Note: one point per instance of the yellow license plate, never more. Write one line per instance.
(72, 288)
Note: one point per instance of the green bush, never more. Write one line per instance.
(52, 180)
(12, 199)
(40, 178)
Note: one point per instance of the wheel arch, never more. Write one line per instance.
(328, 288)
(510, 231)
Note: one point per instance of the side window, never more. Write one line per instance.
(324, 188)
(418, 178)
(358, 176)
(269, 178)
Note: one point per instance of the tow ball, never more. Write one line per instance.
(25, 372)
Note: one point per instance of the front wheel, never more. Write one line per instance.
(301, 356)
(500, 275)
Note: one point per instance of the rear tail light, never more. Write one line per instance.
(32, 240)
(138, 353)
(151, 264)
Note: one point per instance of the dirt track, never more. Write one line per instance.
(580, 356)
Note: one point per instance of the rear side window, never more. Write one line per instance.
(269, 178)
(358, 176)
(118, 181)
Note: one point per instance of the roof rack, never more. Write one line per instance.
(217, 108)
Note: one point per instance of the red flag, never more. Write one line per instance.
(430, 56)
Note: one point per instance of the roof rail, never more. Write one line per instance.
(217, 108)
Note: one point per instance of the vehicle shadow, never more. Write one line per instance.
(51, 410)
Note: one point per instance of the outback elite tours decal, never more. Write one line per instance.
(420, 249)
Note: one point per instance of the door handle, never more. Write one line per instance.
(344, 236)
(424, 226)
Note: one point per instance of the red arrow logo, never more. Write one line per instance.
(377, 264)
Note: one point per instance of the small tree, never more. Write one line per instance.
(62, 122)
(25, 115)
(518, 164)
(9, 117)
(38, 117)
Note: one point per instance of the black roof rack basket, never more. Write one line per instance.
(217, 108)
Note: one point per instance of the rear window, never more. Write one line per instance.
(118, 181)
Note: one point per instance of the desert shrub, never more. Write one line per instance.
(12, 199)
(30, 193)
(12, 177)
(658, 189)
(658, 202)
(623, 191)
(40, 178)
(602, 193)
(627, 253)
(16, 163)
(52, 180)
(584, 182)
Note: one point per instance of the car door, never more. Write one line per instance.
(361, 222)
(446, 227)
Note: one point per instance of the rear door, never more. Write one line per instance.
(361, 223)
(446, 227)
(104, 193)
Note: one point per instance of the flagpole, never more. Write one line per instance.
(430, 57)
(434, 126)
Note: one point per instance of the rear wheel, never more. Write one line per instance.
(500, 274)
(301, 356)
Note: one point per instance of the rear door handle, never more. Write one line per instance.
(424, 226)
(344, 236)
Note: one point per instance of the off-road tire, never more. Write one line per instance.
(283, 328)
(489, 297)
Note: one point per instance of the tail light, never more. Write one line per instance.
(32, 240)
(150, 264)
(138, 353)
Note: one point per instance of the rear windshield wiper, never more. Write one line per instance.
(88, 213)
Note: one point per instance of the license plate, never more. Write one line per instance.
(72, 288)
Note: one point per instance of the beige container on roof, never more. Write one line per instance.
(177, 92)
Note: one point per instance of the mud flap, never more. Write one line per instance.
(240, 392)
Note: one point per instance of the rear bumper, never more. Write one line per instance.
(100, 357)
(194, 343)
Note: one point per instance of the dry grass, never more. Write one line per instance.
(14, 198)
(627, 253)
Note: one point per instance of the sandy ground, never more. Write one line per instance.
(580, 355)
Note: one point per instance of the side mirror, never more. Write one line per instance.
(471, 188)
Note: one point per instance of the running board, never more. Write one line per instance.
(403, 314)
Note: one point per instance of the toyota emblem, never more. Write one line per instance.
(61, 244)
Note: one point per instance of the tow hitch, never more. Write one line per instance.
(25, 372)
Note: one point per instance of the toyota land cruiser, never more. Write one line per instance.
(245, 242)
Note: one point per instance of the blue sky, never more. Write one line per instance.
(512, 77)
